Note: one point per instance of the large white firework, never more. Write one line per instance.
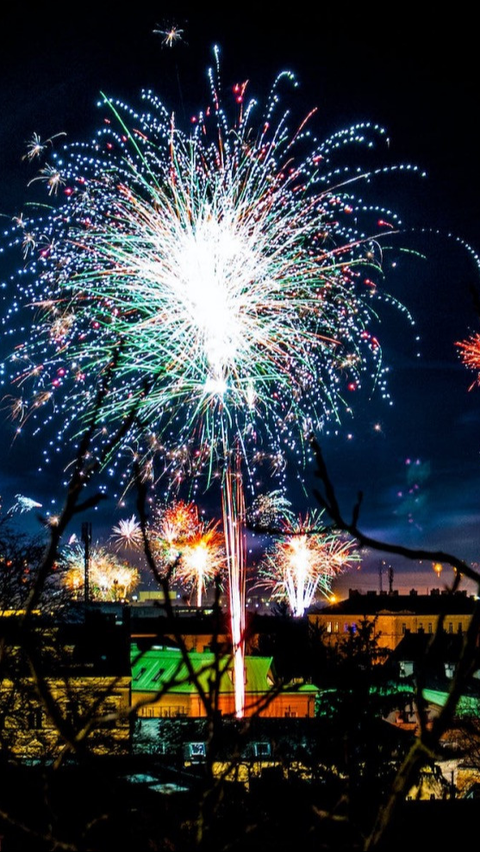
(220, 280)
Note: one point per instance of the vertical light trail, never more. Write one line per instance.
(233, 507)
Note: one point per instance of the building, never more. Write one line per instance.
(64, 686)
(163, 685)
(196, 629)
(394, 615)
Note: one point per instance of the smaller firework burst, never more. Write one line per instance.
(37, 146)
(269, 511)
(24, 504)
(110, 578)
(470, 355)
(188, 547)
(171, 35)
(202, 559)
(127, 534)
(172, 526)
(305, 561)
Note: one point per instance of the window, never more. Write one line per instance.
(430, 627)
(262, 750)
(335, 627)
(147, 711)
(110, 709)
(196, 752)
(35, 719)
(158, 675)
(72, 711)
(172, 712)
(140, 673)
(404, 628)
(406, 668)
(329, 626)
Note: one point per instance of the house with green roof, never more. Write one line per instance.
(167, 684)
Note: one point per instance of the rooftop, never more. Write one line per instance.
(374, 603)
(159, 666)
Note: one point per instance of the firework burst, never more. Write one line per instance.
(470, 355)
(202, 559)
(109, 577)
(221, 271)
(304, 562)
(189, 550)
(172, 527)
(269, 511)
(127, 534)
(24, 504)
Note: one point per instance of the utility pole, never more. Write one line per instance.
(380, 575)
(390, 579)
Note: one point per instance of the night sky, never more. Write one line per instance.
(418, 459)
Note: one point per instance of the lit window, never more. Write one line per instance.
(262, 750)
(196, 752)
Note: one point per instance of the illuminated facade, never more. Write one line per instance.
(394, 615)
(64, 688)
